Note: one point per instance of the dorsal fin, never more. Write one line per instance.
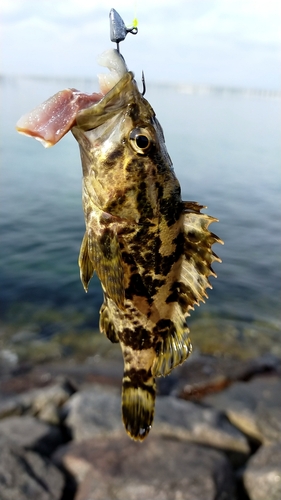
(187, 288)
(199, 257)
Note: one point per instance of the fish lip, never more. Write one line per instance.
(106, 106)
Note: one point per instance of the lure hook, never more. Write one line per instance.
(143, 84)
(118, 30)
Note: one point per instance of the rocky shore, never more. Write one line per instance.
(216, 434)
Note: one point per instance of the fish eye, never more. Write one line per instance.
(140, 140)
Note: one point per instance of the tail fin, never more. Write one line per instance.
(138, 401)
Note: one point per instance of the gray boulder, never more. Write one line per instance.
(30, 433)
(189, 421)
(206, 374)
(10, 406)
(97, 412)
(161, 469)
(262, 477)
(24, 475)
(94, 412)
(253, 407)
(45, 403)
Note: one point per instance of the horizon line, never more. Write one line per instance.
(182, 87)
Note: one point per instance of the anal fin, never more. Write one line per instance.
(174, 347)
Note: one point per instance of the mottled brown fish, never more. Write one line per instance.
(151, 251)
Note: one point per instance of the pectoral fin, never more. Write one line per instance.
(107, 325)
(86, 266)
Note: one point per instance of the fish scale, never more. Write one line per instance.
(151, 250)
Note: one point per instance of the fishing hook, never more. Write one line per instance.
(118, 30)
(143, 84)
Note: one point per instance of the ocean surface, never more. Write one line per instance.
(226, 151)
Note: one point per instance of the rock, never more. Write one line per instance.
(245, 403)
(44, 403)
(30, 433)
(269, 410)
(206, 374)
(262, 477)
(50, 413)
(94, 412)
(163, 469)
(26, 377)
(24, 475)
(189, 421)
(10, 406)
(269, 423)
(95, 369)
(97, 412)
(8, 361)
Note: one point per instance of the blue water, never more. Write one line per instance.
(226, 153)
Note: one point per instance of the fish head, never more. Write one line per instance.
(121, 141)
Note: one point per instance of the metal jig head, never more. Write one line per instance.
(118, 33)
(118, 30)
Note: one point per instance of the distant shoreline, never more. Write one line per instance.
(183, 88)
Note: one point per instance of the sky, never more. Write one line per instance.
(233, 43)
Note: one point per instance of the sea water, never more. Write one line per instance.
(226, 152)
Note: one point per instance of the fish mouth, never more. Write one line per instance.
(114, 101)
(115, 89)
(52, 119)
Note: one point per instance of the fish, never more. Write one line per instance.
(151, 251)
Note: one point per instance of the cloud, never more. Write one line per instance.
(211, 41)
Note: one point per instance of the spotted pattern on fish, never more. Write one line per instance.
(151, 251)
